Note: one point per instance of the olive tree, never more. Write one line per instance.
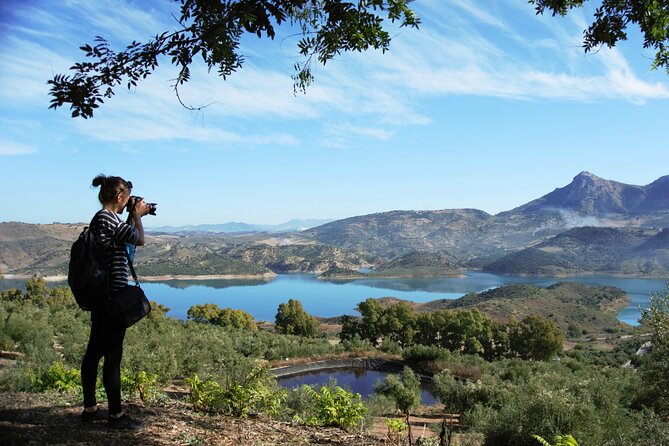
(211, 30)
(655, 367)
(292, 319)
(611, 19)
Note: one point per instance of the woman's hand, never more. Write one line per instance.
(141, 208)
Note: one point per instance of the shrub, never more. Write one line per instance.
(333, 407)
(60, 378)
(404, 390)
(255, 393)
(225, 317)
(464, 395)
(587, 406)
(428, 357)
(141, 384)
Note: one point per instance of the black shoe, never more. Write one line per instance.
(97, 415)
(124, 422)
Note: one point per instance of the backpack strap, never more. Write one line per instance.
(107, 264)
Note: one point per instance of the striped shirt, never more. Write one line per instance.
(112, 234)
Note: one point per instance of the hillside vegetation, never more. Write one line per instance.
(574, 307)
(420, 264)
(592, 250)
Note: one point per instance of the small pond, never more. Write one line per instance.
(360, 381)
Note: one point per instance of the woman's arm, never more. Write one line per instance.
(141, 209)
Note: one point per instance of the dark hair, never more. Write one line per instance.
(110, 187)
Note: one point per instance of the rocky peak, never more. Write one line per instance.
(589, 194)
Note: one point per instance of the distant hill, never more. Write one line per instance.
(299, 257)
(28, 248)
(420, 264)
(592, 250)
(573, 306)
(396, 233)
(238, 227)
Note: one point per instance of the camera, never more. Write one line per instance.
(133, 200)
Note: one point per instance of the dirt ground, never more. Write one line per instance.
(36, 419)
(47, 419)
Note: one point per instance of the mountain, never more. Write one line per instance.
(588, 194)
(477, 238)
(239, 227)
(591, 196)
(592, 250)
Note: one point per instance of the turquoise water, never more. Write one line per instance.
(326, 299)
(323, 298)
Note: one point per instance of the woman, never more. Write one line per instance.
(107, 333)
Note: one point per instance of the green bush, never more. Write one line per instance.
(464, 395)
(404, 390)
(257, 392)
(60, 378)
(140, 384)
(333, 407)
(589, 406)
(26, 329)
(429, 357)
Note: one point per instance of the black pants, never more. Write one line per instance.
(106, 341)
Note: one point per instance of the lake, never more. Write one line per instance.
(327, 298)
(334, 298)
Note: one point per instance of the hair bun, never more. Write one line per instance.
(99, 180)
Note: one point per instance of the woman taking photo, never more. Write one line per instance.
(107, 333)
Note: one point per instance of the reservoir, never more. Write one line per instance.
(335, 298)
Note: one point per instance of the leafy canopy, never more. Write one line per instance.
(293, 320)
(612, 18)
(212, 29)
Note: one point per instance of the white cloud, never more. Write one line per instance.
(10, 148)
(346, 130)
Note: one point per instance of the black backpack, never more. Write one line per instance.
(87, 274)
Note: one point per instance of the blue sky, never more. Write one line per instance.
(486, 106)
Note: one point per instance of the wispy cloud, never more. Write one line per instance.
(347, 130)
(10, 148)
(469, 62)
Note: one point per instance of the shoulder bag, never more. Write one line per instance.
(129, 304)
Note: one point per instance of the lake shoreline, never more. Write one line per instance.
(63, 278)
